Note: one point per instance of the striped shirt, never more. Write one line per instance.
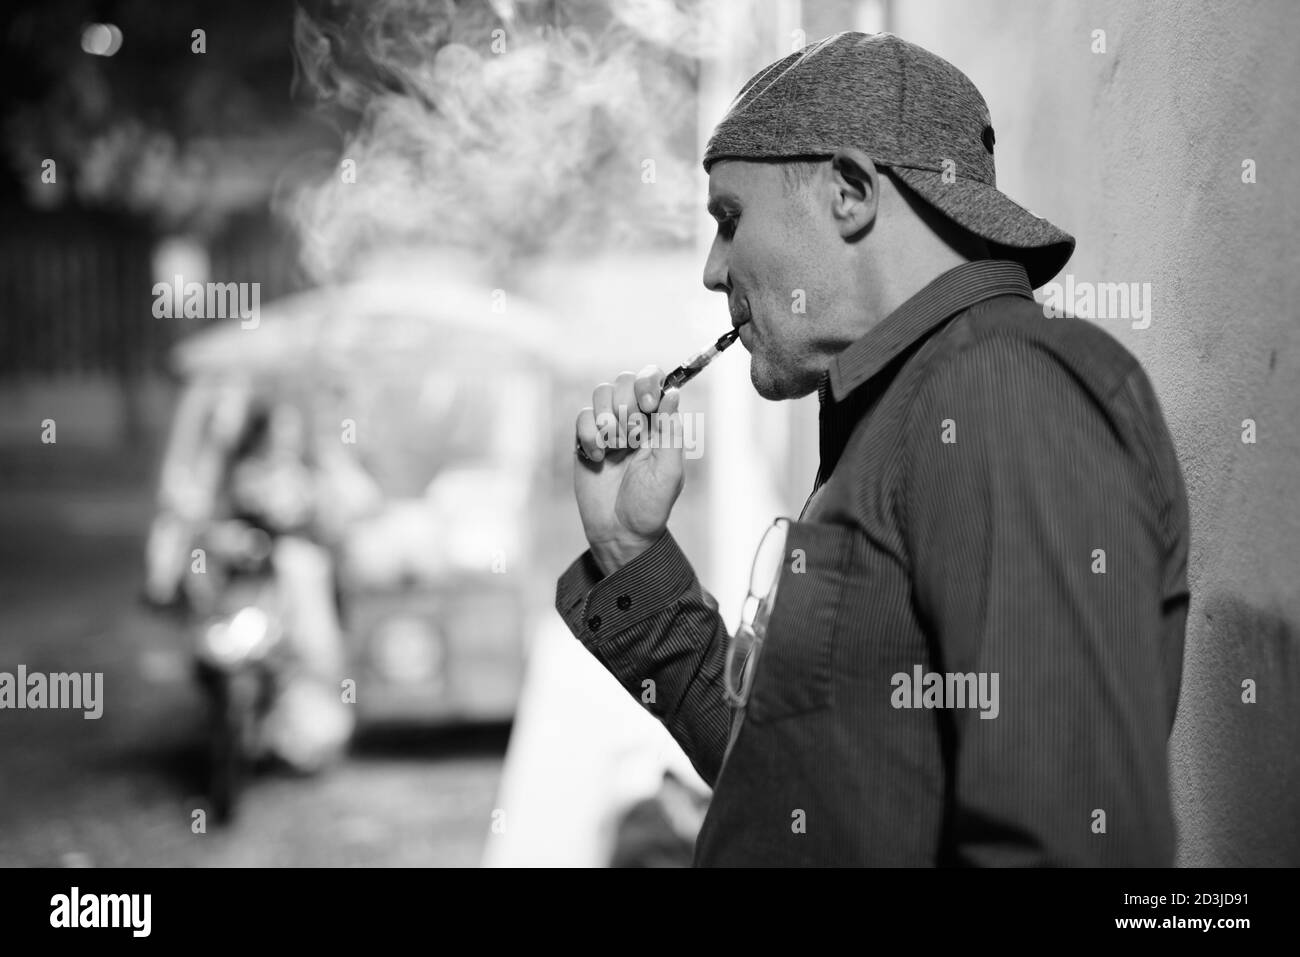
(975, 652)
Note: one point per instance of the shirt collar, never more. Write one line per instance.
(956, 290)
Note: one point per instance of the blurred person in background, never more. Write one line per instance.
(275, 484)
(246, 462)
(980, 465)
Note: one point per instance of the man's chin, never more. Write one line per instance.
(776, 387)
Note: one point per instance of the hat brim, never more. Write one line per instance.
(1012, 231)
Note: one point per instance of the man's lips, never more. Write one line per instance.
(745, 333)
(739, 314)
(741, 320)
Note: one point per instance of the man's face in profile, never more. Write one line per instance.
(774, 257)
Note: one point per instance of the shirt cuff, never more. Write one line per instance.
(595, 606)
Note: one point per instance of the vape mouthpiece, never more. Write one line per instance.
(693, 366)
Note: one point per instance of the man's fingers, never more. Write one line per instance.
(624, 404)
(588, 438)
(669, 431)
(602, 410)
(622, 413)
(646, 388)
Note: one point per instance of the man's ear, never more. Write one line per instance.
(856, 198)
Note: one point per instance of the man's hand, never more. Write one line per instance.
(625, 487)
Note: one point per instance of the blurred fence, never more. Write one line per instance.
(75, 296)
(76, 289)
(76, 307)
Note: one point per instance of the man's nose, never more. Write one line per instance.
(715, 269)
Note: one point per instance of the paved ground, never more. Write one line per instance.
(122, 790)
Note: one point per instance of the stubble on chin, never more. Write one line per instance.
(777, 385)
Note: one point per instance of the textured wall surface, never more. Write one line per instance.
(1138, 152)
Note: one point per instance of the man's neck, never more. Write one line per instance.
(900, 280)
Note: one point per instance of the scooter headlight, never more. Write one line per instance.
(237, 638)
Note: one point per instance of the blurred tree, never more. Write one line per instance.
(177, 131)
(179, 127)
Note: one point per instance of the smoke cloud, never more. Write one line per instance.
(505, 129)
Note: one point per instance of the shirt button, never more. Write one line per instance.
(624, 602)
(594, 622)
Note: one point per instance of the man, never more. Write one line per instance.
(975, 648)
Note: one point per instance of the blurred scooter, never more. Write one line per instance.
(238, 641)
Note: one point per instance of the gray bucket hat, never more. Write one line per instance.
(910, 111)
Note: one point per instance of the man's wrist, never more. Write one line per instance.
(612, 555)
(597, 606)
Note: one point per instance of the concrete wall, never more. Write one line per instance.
(1138, 152)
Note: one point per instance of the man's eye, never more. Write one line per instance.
(727, 226)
